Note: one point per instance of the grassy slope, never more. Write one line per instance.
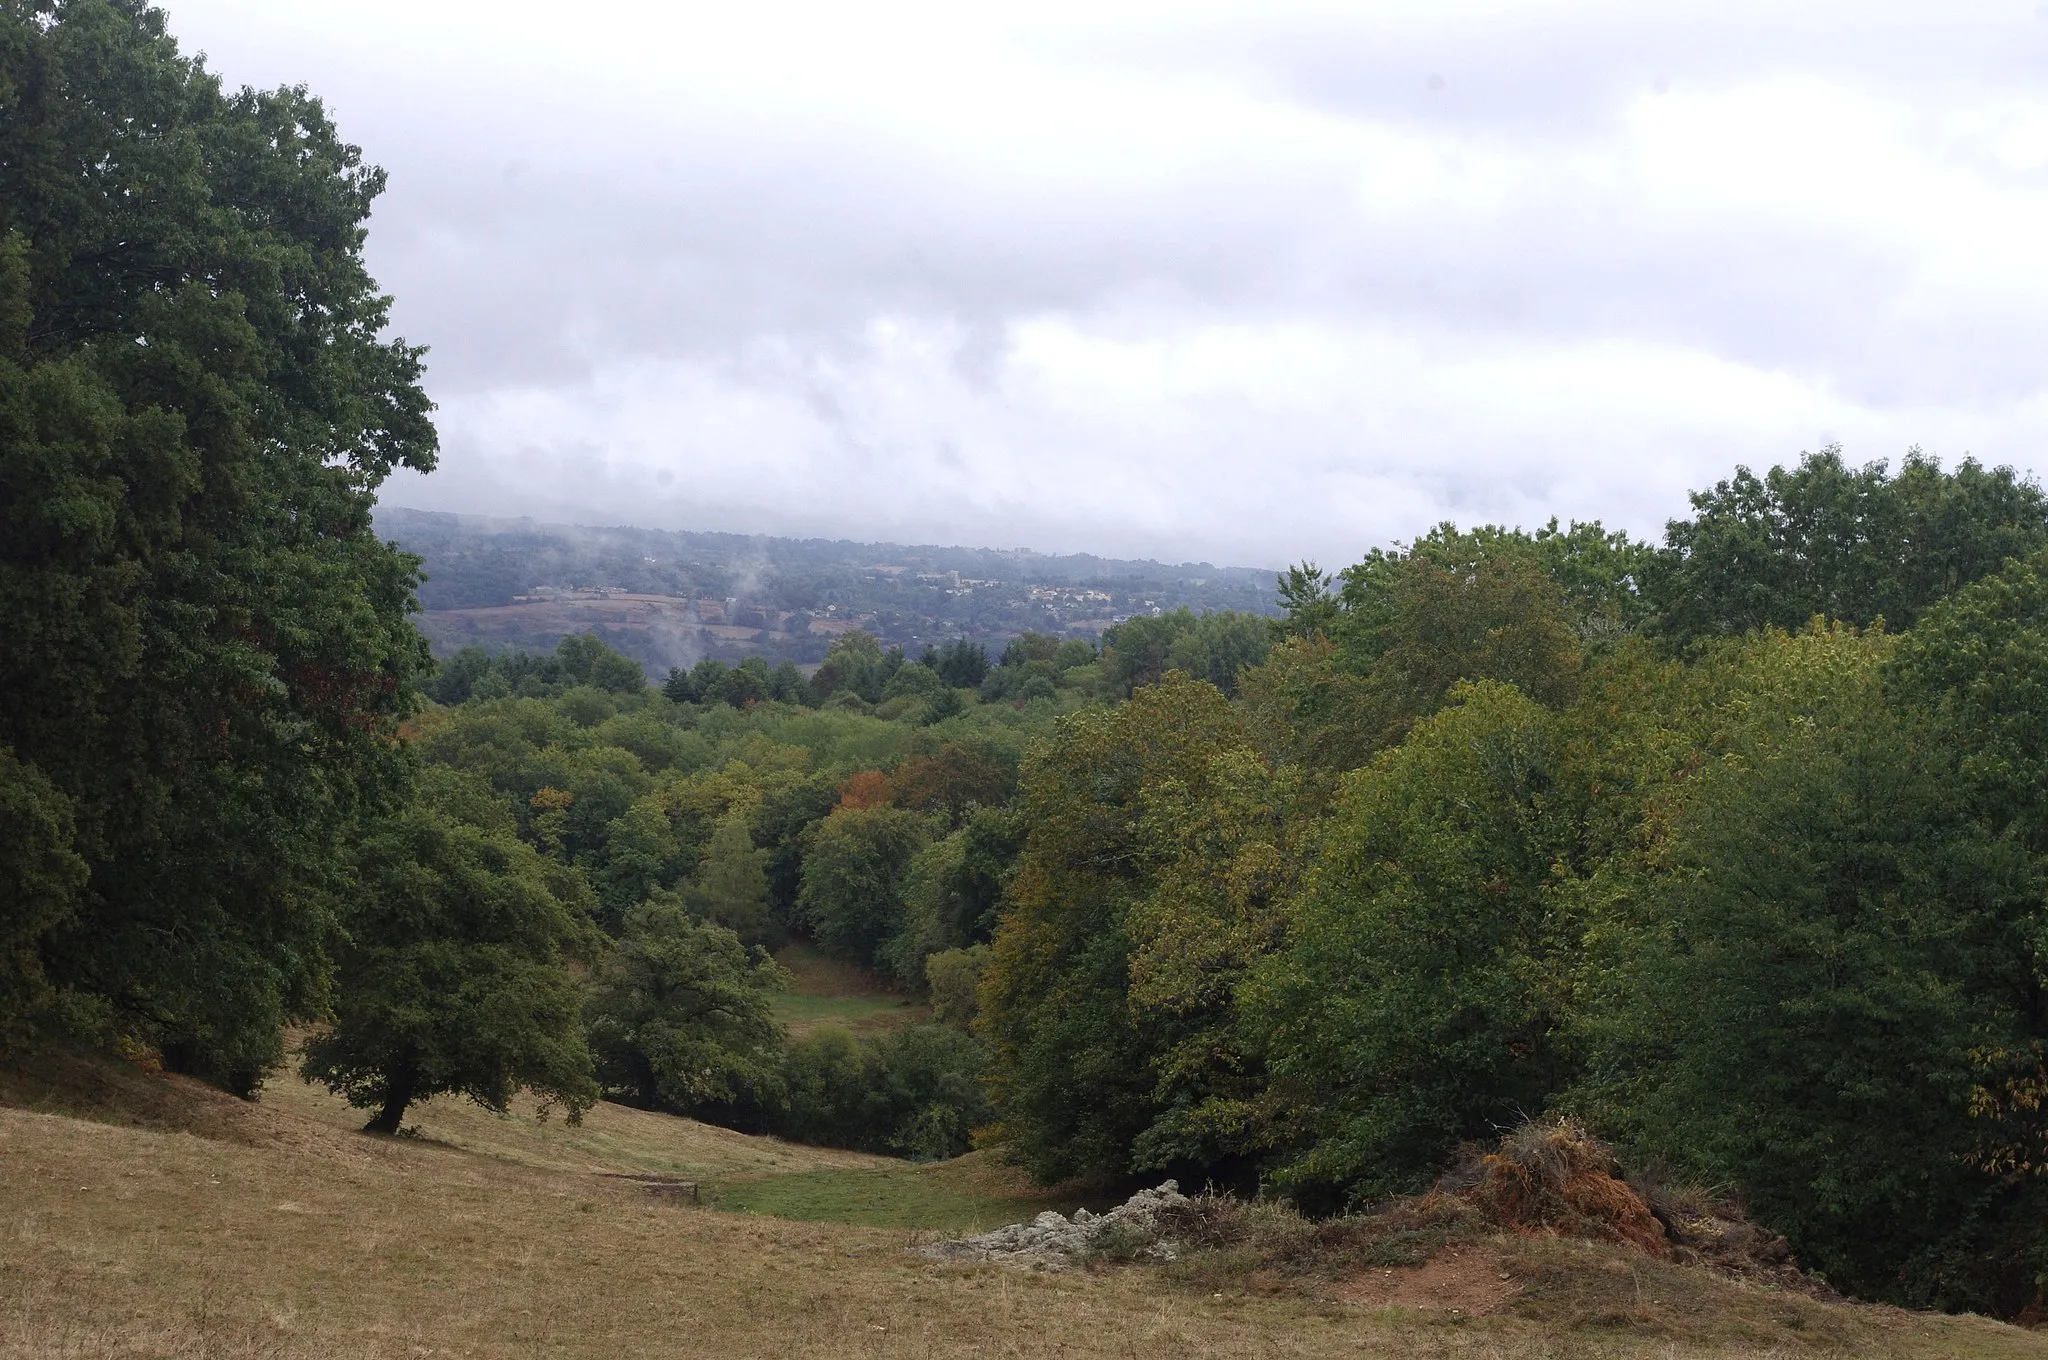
(281, 1233)
(966, 1195)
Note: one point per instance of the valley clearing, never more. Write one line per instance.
(146, 1216)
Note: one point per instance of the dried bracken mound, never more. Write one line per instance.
(1554, 1178)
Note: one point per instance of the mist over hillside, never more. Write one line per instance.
(671, 597)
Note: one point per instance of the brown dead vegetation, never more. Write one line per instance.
(1544, 1227)
(1553, 1178)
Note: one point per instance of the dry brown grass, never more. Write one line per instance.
(611, 1138)
(297, 1237)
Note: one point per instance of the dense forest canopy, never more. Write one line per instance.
(1732, 846)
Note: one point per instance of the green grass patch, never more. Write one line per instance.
(813, 972)
(968, 1194)
(861, 1015)
(828, 991)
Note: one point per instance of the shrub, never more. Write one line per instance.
(679, 1015)
(954, 977)
(916, 1092)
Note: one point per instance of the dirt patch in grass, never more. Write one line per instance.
(1468, 1281)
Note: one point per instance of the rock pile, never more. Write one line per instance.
(1131, 1231)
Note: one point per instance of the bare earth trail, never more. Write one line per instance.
(275, 1230)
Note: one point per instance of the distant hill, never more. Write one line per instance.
(668, 597)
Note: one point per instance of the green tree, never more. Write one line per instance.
(1827, 959)
(731, 887)
(640, 854)
(1456, 607)
(1072, 1063)
(696, 684)
(956, 780)
(953, 891)
(1025, 648)
(454, 976)
(1212, 647)
(1977, 666)
(1855, 544)
(750, 682)
(1308, 709)
(1307, 598)
(855, 664)
(586, 660)
(1420, 996)
(933, 1076)
(208, 651)
(1224, 854)
(915, 679)
(962, 664)
(781, 826)
(457, 678)
(914, 1092)
(1980, 658)
(786, 684)
(953, 981)
(40, 876)
(681, 1015)
(852, 895)
(1602, 574)
(1073, 653)
(1598, 577)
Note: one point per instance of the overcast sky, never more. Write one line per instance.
(1237, 281)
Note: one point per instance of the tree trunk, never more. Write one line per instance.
(397, 1096)
(648, 1088)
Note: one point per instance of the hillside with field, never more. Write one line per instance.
(149, 1216)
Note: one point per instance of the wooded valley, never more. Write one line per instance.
(1732, 847)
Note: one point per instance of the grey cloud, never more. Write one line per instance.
(577, 258)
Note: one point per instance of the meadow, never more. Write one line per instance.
(827, 991)
(150, 1216)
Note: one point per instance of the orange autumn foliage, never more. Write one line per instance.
(866, 789)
